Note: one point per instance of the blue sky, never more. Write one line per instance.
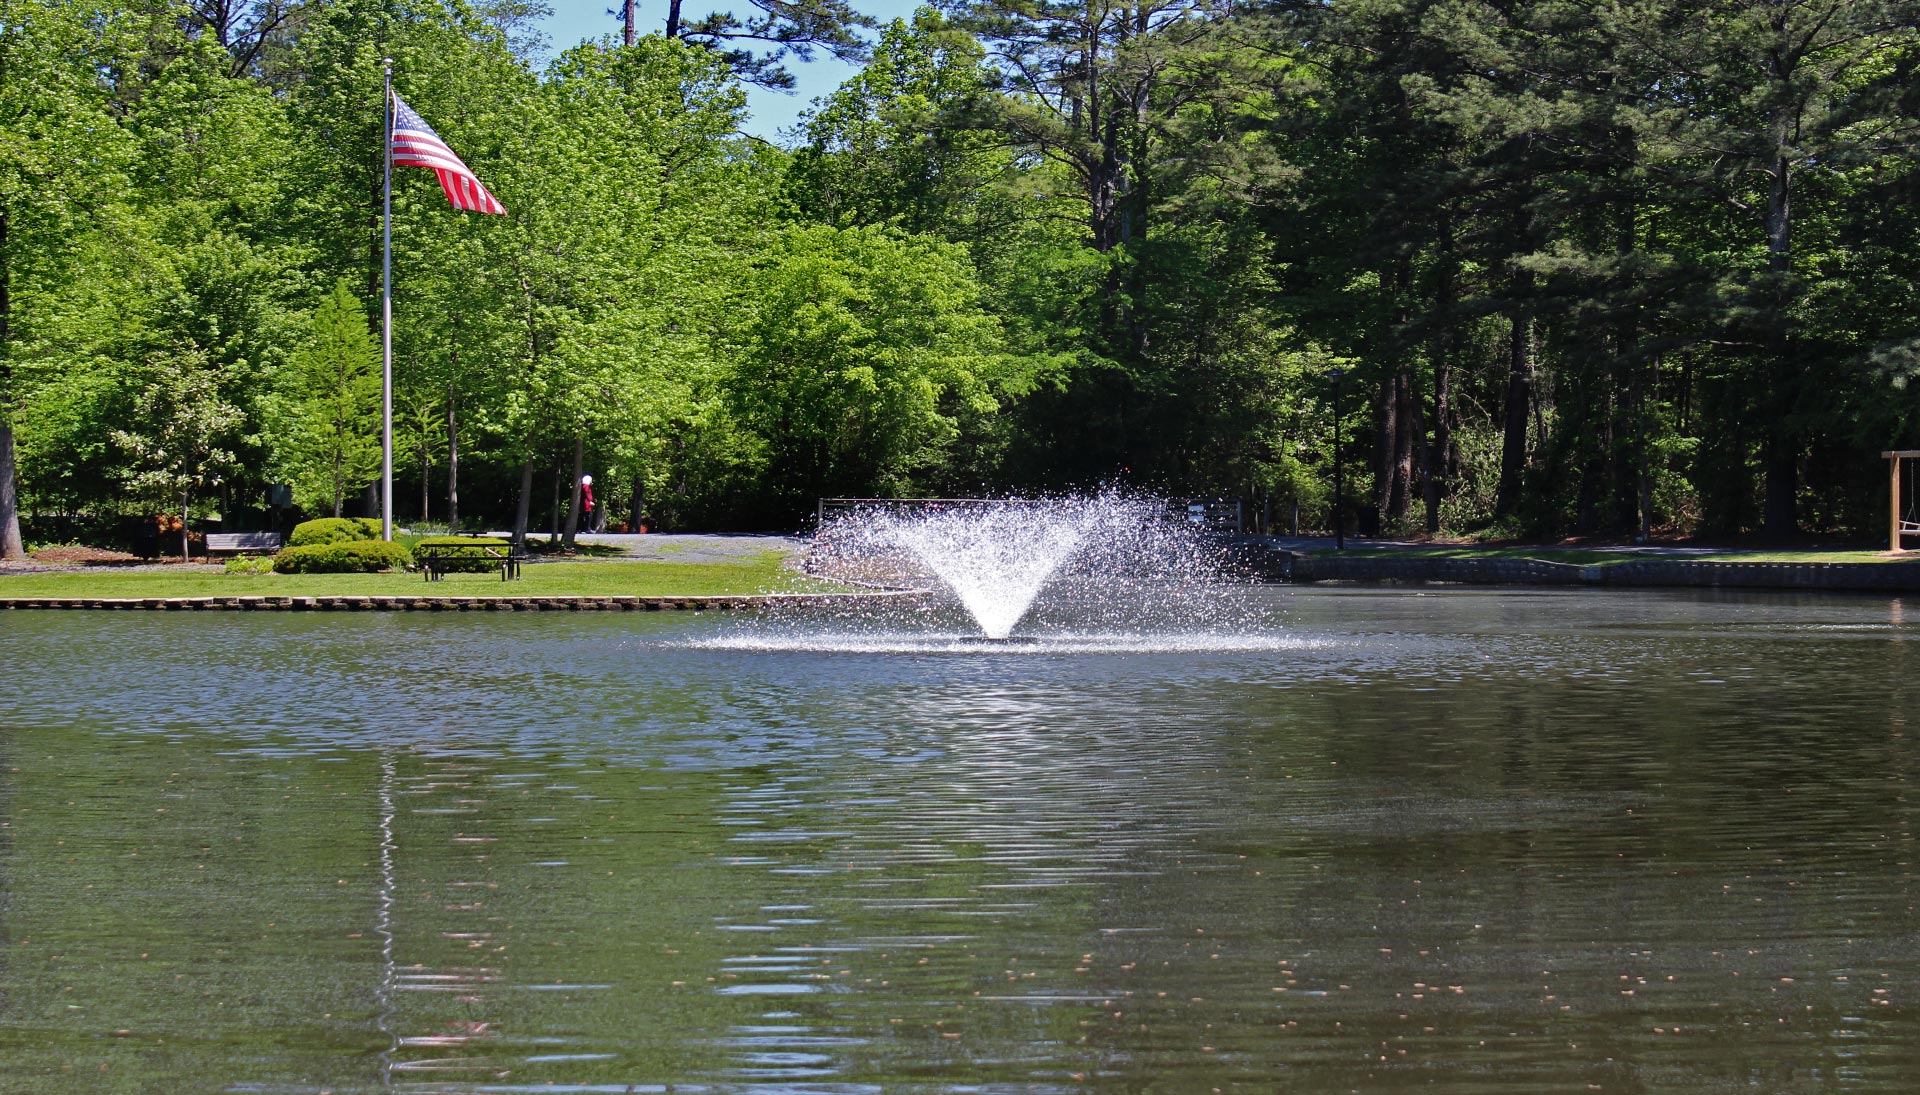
(574, 21)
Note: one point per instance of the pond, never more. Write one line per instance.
(1461, 841)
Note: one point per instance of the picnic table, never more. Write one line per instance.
(457, 555)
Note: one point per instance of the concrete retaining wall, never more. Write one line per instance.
(1276, 565)
(446, 604)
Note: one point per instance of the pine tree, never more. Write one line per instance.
(331, 441)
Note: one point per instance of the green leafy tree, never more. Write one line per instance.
(182, 432)
(331, 442)
(866, 358)
(629, 208)
(901, 141)
(62, 158)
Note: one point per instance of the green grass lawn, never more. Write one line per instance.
(764, 573)
(1593, 557)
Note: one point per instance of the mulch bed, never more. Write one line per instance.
(80, 555)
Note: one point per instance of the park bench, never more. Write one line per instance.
(1214, 515)
(437, 560)
(241, 543)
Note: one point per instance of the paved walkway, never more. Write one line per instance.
(689, 547)
(1325, 543)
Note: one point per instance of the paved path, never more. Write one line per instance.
(1325, 543)
(691, 547)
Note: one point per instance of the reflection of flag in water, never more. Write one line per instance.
(415, 144)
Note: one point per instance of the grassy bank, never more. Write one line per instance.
(764, 573)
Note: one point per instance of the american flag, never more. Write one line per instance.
(415, 144)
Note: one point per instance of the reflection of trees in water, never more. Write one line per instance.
(455, 1038)
(543, 911)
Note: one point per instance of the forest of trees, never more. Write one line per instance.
(1608, 267)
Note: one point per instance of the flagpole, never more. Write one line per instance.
(386, 313)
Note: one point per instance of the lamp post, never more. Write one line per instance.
(1339, 484)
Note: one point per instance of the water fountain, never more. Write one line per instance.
(1105, 572)
(993, 558)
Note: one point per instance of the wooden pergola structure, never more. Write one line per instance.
(1898, 522)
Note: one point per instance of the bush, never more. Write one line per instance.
(250, 564)
(359, 556)
(334, 530)
(460, 542)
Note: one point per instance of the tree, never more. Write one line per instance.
(1772, 92)
(182, 429)
(63, 153)
(630, 209)
(865, 360)
(331, 440)
(792, 28)
(898, 141)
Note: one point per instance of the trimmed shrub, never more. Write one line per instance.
(355, 557)
(250, 564)
(334, 530)
(460, 542)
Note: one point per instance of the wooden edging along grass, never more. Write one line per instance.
(392, 603)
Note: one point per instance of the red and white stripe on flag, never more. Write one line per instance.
(415, 144)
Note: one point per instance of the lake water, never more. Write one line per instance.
(1459, 841)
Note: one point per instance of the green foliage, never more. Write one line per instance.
(328, 442)
(1587, 266)
(359, 556)
(894, 144)
(866, 357)
(334, 530)
(181, 427)
(454, 542)
(250, 564)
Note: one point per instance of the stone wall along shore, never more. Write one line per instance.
(1277, 565)
(441, 604)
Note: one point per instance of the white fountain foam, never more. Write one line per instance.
(995, 559)
(1101, 574)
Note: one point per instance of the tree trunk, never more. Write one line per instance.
(1513, 442)
(426, 480)
(1781, 456)
(1407, 445)
(1399, 418)
(521, 508)
(630, 28)
(573, 510)
(1628, 445)
(339, 480)
(11, 545)
(1629, 432)
(1782, 459)
(1594, 441)
(1395, 465)
(553, 512)
(186, 543)
(1387, 412)
(453, 464)
(634, 525)
(673, 18)
(1439, 459)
